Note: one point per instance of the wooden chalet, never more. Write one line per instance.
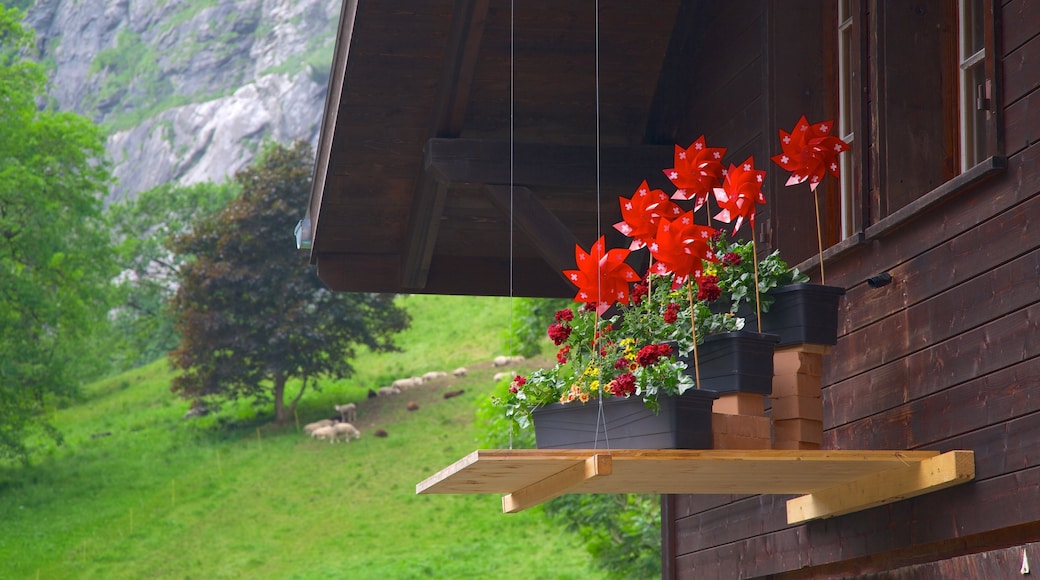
(469, 144)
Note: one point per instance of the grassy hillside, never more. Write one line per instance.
(137, 491)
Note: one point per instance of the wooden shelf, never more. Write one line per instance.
(830, 482)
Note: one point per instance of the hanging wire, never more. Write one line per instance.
(512, 305)
(601, 419)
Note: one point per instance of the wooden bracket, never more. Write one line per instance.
(557, 484)
(884, 487)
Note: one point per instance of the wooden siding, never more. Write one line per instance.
(945, 357)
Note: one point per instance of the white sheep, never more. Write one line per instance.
(503, 375)
(500, 361)
(326, 432)
(459, 372)
(348, 412)
(346, 430)
(387, 391)
(432, 375)
(405, 384)
(310, 428)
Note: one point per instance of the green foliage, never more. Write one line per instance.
(250, 309)
(137, 492)
(529, 321)
(142, 227)
(622, 532)
(55, 258)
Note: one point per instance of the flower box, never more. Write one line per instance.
(683, 422)
(800, 314)
(740, 361)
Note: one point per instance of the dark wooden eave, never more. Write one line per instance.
(437, 174)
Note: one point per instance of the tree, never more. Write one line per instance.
(55, 258)
(252, 312)
(143, 226)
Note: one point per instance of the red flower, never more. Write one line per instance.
(518, 381)
(561, 355)
(602, 276)
(698, 170)
(740, 192)
(652, 353)
(671, 313)
(641, 213)
(564, 315)
(559, 333)
(732, 259)
(623, 385)
(639, 291)
(708, 288)
(809, 152)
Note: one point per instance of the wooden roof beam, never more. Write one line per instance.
(621, 168)
(460, 61)
(554, 242)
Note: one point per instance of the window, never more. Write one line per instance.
(915, 98)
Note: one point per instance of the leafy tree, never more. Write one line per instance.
(251, 311)
(531, 318)
(55, 258)
(143, 226)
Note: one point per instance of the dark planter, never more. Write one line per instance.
(684, 422)
(800, 314)
(732, 362)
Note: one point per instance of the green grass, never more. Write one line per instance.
(136, 491)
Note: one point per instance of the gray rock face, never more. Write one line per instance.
(188, 88)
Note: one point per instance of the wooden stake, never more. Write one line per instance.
(259, 444)
(758, 301)
(693, 330)
(819, 235)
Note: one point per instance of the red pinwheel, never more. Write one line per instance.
(680, 248)
(642, 212)
(698, 169)
(602, 276)
(740, 192)
(809, 152)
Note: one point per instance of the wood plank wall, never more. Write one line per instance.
(946, 357)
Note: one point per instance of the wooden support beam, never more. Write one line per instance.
(916, 478)
(554, 242)
(558, 484)
(424, 226)
(621, 168)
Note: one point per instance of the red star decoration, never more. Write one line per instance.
(602, 277)
(642, 212)
(698, 170)
(681, 247)
(740, 192)
(809, 152)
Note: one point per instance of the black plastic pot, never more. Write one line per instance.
(732, 362)
(683, 422)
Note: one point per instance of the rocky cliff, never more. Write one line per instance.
(188, 89)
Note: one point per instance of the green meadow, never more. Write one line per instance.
(137, 491)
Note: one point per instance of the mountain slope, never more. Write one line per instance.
(140, 492)
(188, 89)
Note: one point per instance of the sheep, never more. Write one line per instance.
(459, 372)
(310, 428)
(503, 375)
(502, 360)
(382, 433)
(326, 432)
(432, 375)
(412, 406)
(405, 384)
(387, 391)
(347, 413)
(346, 430)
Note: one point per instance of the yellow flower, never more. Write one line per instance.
(594, 386)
